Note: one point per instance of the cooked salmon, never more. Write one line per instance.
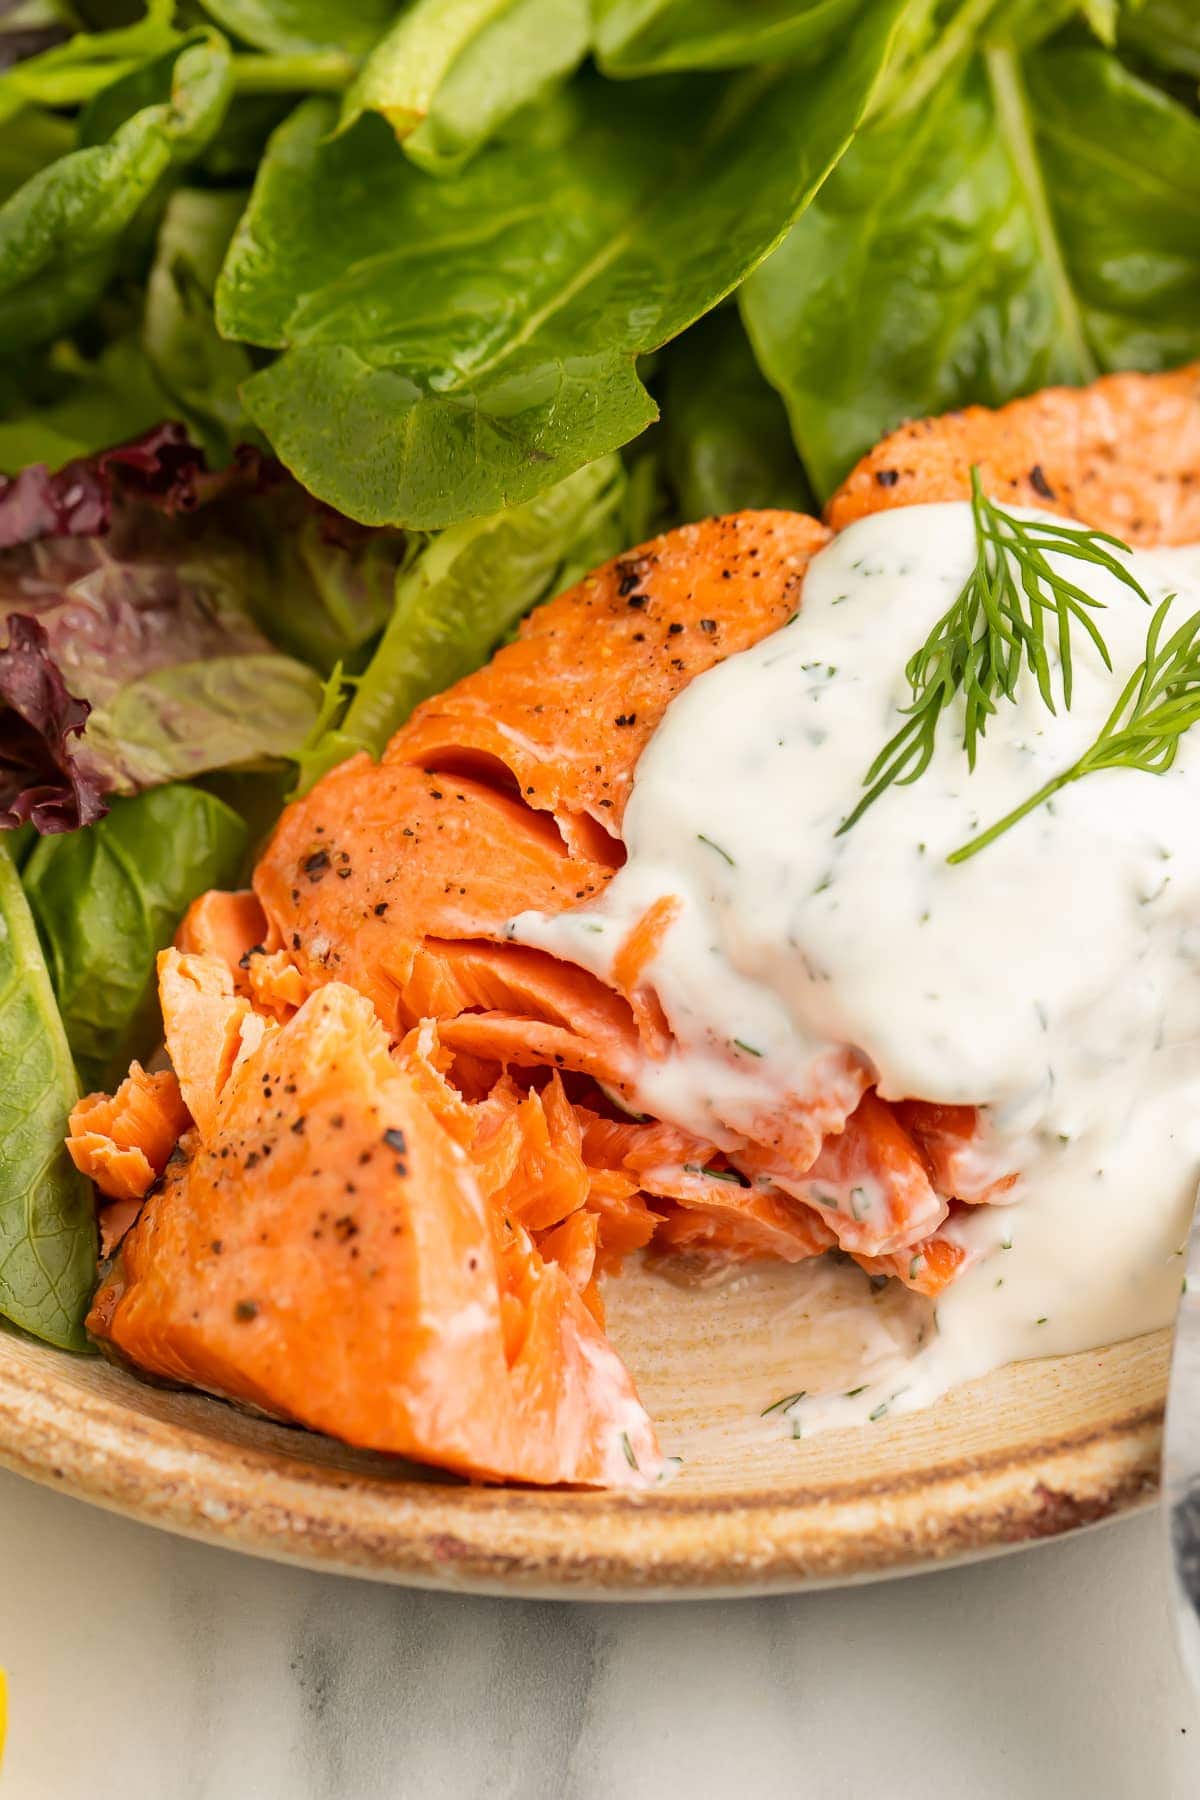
(1120, 455)
(405, 1157)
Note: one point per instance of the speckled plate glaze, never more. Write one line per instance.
(1024, 1455)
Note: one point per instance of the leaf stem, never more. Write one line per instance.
(1018, 812)
(952, 43)
(1012, 114)
(318, 71)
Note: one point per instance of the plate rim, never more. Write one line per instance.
(534, 1543)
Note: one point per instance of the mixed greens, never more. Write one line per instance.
(404, 315)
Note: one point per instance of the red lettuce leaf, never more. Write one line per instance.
(164, 468)
(150, 579)
(42, 781)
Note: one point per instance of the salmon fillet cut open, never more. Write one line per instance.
(396, 1156)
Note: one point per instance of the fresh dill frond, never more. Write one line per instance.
(1159, 702)
(997, 624)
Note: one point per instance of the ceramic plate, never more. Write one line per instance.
(1030, 1452)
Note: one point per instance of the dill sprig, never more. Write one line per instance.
(1159, 702)
(997, 624)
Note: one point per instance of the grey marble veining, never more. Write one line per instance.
(145, 1668)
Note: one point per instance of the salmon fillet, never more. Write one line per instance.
(1122, 456)
(367, 984)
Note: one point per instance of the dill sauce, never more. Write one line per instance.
(1053, 979)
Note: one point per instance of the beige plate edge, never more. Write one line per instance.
(1080, 1444)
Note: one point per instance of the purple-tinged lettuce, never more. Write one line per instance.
(135, 585)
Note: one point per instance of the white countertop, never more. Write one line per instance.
(145, 1668)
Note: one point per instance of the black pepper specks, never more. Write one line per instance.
(1038, 482)
(887, 477)
(245, 1310)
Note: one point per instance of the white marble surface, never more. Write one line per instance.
(145, 1668)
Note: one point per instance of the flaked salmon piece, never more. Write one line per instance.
(447, 979)
(744, 1223)
(954, 1142)
(275, 983)
(527, 1150)
(636, 1145)
(380, 859)
(928, 1267)
(627, 1222)
(203, 1024)
(789, 1133)
(870, 1183)
(232, 929)
(326, 1254)
(570, 706)
(539, 1158)
(1121, 455)
(226, 926)
(532, 1044)
(747, 1219)
(122, 1141)
(572, 1244)
(640, 947)
(744, 1218)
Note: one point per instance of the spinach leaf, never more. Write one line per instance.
(458, 346)
(466, 589)
(47, 1227)
(60, 234)
(1037, 219)
(28, 142)
(1122, 173)
(637, 37)
(451, 72)
(72, 72)
(66, 406)
(199, 370)
(327, 587)
(108, 899)
(1166, 32)
(727, 443)
(298, 27)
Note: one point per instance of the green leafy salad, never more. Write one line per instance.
(337, 334)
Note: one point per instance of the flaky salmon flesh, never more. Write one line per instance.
(380, 1186)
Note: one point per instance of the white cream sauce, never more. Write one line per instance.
(1053, 979)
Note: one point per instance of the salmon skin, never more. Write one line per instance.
(392, 1164)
